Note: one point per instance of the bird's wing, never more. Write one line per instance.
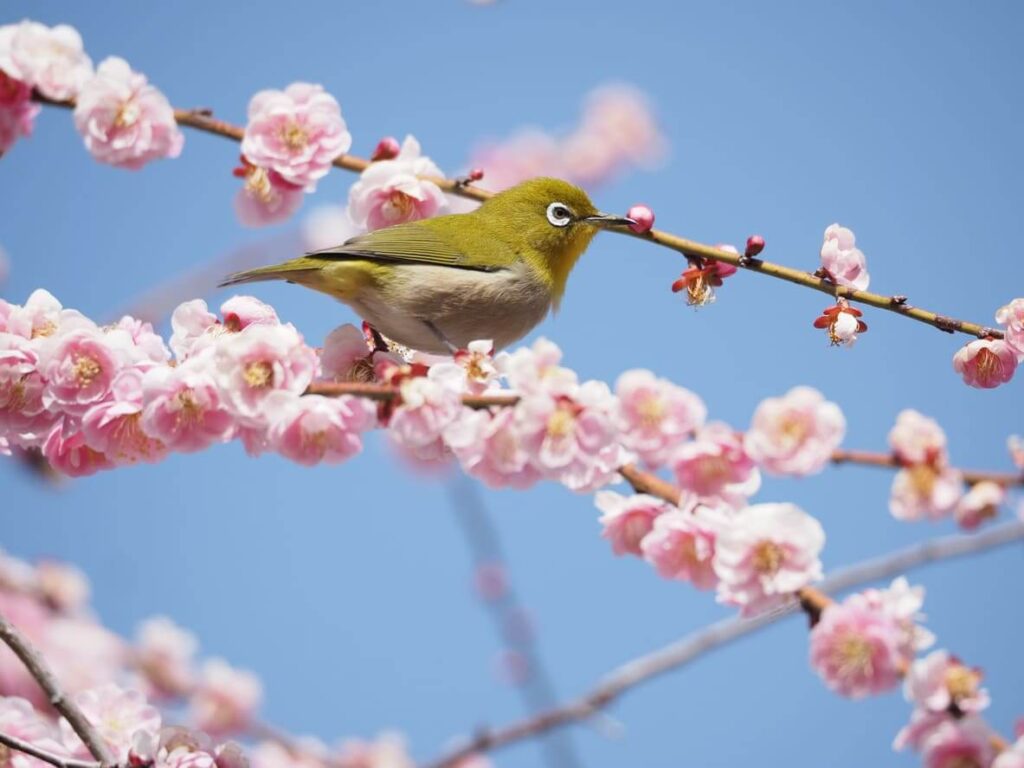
(411, 243)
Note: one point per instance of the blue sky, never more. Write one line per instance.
(348, 589)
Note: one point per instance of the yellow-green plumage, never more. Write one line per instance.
(492, 273)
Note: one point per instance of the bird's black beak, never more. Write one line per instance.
(609, 220)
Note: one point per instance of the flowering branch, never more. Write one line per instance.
(52, 758)
(203, 120)
(703, 641)
(888, 460)
(43, 675)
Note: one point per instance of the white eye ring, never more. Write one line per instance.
(559, 214)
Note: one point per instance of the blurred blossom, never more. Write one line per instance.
(63, 585)
(17, 115)
(164, 653)
(940, 681)
(327, 226)
(1015, 444)
(225, 699)
(980, 503)
(917, 439)
(923, 492)
(681, 545)
(386, 751)
(1011, 316)
(50, 59)
(20, 720)
(795, 434)
(626, 520)
(118, 715)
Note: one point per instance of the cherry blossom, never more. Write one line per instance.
(296, 133)
(265, 196)
(124, 120)
(681, 544)
(113, 427)
(62, 585)
(939, 682)
(766, 554)
(314, 429)
(980, 503)
(66, 450)
(391, 192)
(117, 715)
(958, 744)
(429, 405)
(923, 492)
(795, 434)
(986, 363)
(164, 653)
(1012, 316)
(842, 262)
(716, 467)
(17, 111)
(184, 409)
(917, 439)
(655, 415)
(626, 520)
(489, 446)
(225, 698)
(50, 59)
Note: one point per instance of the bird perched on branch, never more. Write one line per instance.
(437, 284)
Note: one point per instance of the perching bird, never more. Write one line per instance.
(437, 284)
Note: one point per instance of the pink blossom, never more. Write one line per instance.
(1015, 444)
(986, 363)
(50, 59)
(964, 743)
(716, 467)
(193, 328)
(62, 585)
(164, 653)
(347, 357)
(20, 720)
(902, 603)
(766, 554)
(1008, 758)
(917, 439)
(429, 405)
(622, 119)
(1012, 316)
(841, 323)
(225, 699)
(922, 724)
(239, 312)
(681, 544)
(24, 417)
(537, 369)
(940, 682)
(477, 364)
(857, 649)
(327, 225)
(489, 446)
(386, 751)
(66, 451)
(311, 429)
(921, 491)
(114, 426)
(844, 264)
(83, 653)
(259, 360)
(17, 111)
(138, 343)
(183, 408)
(297, 133)
(524, 155)
(391, 192)
(124, 120)
(38, 318)
(980, 503)
(626, 520)
(79, 368)
(265, 197)
(795, 434)
(655, 415)
(271, 754)
(117, 715)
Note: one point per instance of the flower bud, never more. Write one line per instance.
(387, 149)
(475, 174)
(755, 244)
(643, 216)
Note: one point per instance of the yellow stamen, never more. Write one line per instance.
(127, 114)
(989, 366)
(259, 374)
(768, 557)
(560, 423)
(46, 329)
(651, 411)
(189, 411)
(922, 480)
(852, 656)
(961, 682)
(86, 369)
(294, 136)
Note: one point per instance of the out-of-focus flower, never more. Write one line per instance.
(489, 446)
(986, 363)
(795, 434)
(123, 119)
(716, 467)
(62, 585)
(391, 192)
(922, 491)
(842, 261)
(1015, 444)
(17, 111)
(903, 604)
(118, 715)
(537, 368)
(164, 653)
(626, 520)
(66, 450)
(842, 323)
(1012, 757)
(959, 744)
(313, 429)
(297, 133)
(225, 698)
(980, 503)
(940, 682)
(50, 59)
(766, 554)
(429, 405)
(325, 226)
(681, 545)
(265, 196)
(655, 415)
(1012, 316)
(917, 439)
(386, 751)
(20, 720)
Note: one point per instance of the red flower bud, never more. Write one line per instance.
(643, 217)
(387, 149)
(755, 244)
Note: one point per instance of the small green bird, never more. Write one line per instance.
(437, 284)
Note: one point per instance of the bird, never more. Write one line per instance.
(436, 284)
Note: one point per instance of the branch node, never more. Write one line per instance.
(899, 300)
(947, 324)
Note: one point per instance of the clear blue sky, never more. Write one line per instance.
(347, 588)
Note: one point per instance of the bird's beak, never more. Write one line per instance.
(609, 220)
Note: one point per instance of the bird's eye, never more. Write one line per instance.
(559, 215)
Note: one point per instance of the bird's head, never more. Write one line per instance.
(550, 222)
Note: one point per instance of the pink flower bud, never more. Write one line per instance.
(387, 149)
(643, 216)
(755, 244)
(475, 174)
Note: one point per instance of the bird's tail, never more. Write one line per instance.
(292, 271)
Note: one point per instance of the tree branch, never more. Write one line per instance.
(52, 758)
(693, 646)
(203, 120)
(971, 476)
(43, 675)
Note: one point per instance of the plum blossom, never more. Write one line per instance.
(297, 133)
(265, 196)
(225, 698)
(114, 426)
(477, 364)
(183, 408)
(1015, 444)
(626, 520)
(124, 120)
(923, 492)
(980, 503)
(191, 322)
(314, 429)
(19, 719)
(17, 111)
(50, 59)
(346, 356)
(537, 368)
(903, 604)
(118, 715)
(66, 450)
(795, 434)
(857, 649)
(391, 192)
(428, 406)
(681, 544)
(917, 439)
(23, 413)
(655, 415)
(164, 653)
(986, 363)
(716, 467)
(489, 446)
(963, 743)
(79, 368)
(386, 751)
(239, 312)
(1011, 316)
(1008, 758)
(939, 682)
(842, 323)
(62, 585)
(844, 264)
(766, 554)
(701, 278)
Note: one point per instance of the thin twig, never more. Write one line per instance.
(202, 120)
(887, 460)
(696, 644)
(52, 758)
(43, 675)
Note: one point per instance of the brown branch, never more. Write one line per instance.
(202, 120)
(13, 742)
(43, 675)
(887, 460)
(703, 641)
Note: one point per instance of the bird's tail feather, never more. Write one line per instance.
(289, 270)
